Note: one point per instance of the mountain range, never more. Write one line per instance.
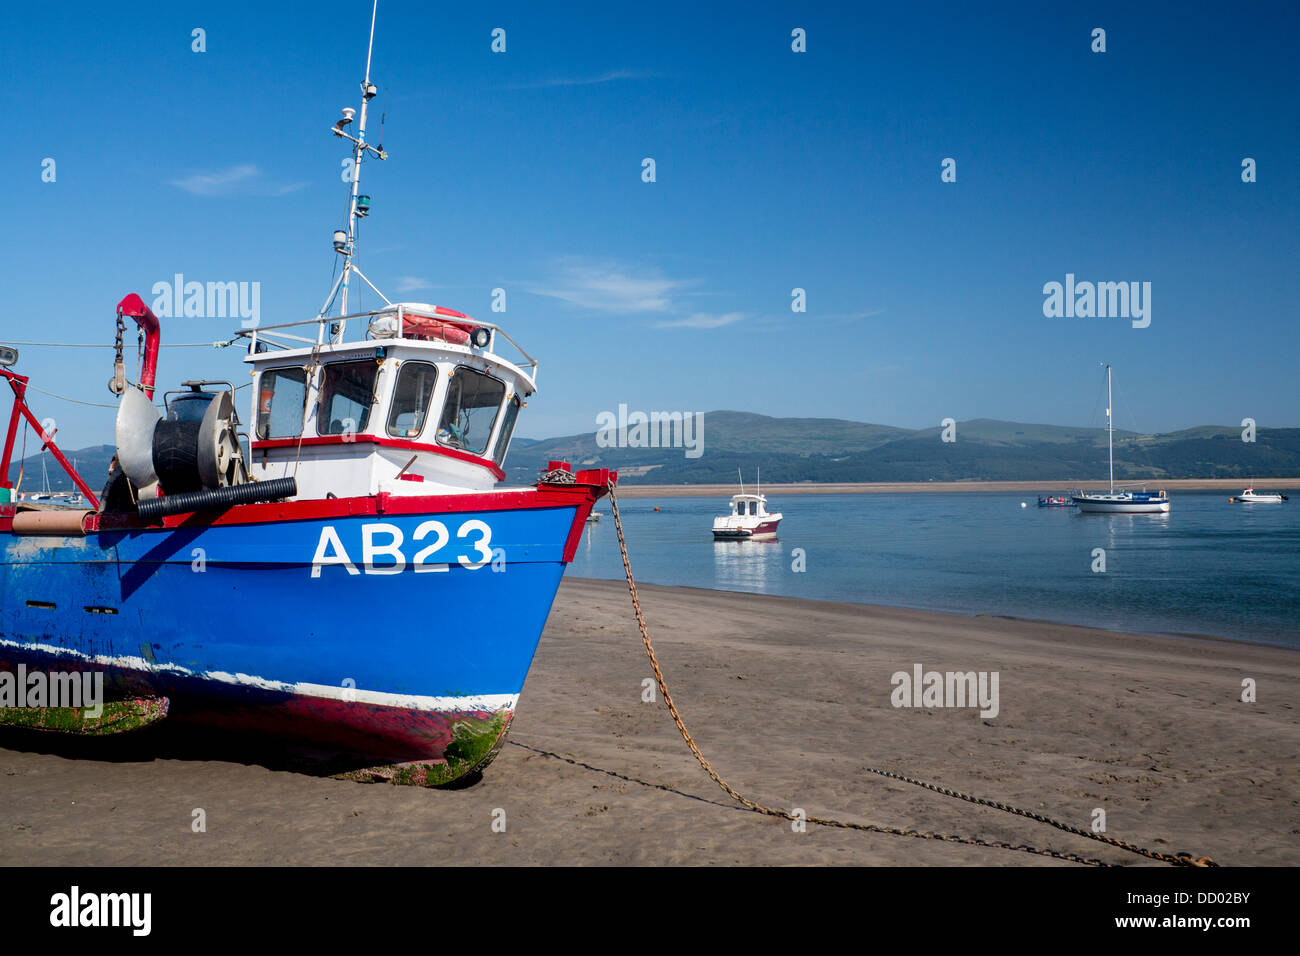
(838, 450)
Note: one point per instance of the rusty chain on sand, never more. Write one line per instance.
(1181, 859)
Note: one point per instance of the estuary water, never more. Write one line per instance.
(1206, 568)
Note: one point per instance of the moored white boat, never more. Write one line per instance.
(1118, 502)
(749, 519)
(1122, 502)
(1250, 495)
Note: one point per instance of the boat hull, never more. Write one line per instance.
(764, 531)
(396, 633)
(1127, 507)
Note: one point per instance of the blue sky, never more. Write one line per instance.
(775, 170)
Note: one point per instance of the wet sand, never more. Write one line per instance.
(1229, 487)
(790, 699)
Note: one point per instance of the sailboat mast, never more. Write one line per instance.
(1110, 433)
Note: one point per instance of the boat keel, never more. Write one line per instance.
(475, 744)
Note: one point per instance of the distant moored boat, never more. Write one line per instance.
(1119, 502)
(1251, 495)
(749, 519)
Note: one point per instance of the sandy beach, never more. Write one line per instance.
(790, 700)
(1229, 486)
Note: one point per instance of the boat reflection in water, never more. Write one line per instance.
(747, 565)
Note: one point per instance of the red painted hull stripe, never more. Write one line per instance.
(566, 496)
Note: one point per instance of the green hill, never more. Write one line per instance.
(837, 450)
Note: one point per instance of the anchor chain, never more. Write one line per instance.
(1181, 859)
(557, 476)
(117, 384)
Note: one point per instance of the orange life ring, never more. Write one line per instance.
(428, 327)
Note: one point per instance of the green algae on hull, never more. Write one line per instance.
(118, 717)
(474, 743)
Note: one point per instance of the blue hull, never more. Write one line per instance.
(296, 627)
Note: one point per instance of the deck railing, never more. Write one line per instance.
(276, 336)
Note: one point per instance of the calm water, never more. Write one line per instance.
(1207, 567)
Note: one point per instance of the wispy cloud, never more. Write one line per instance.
(243, 179)
(849, 316)
(702, 320)
(617, 288)
(412, 284)
(610, 77)
(611, 287)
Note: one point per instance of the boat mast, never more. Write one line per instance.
(1110, 433)
(345, 242)
(741, 475)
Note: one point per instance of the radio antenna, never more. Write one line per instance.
(345, 241)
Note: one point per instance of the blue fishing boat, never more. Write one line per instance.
(343, 569)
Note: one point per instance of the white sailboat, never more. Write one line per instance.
(1118, 502)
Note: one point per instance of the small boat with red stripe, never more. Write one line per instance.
(1055, 501)
(342, 568)
(749, 518)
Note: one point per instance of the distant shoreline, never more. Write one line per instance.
(1227, 485)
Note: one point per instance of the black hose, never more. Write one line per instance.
(213, 498)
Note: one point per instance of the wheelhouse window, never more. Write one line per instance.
(282, 393)
(347, 394)
(473, 401)
(507, 426)
(415, 381)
